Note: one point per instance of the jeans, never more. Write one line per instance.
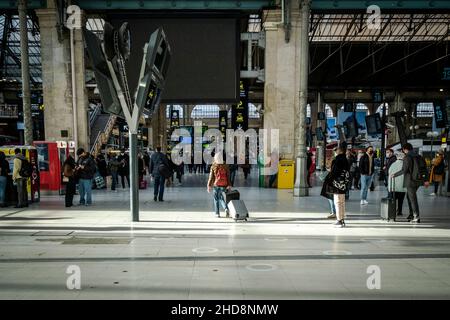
(2, 190)
(114, 180)
(218, 199)
(70, 191)
(22, 192)
(366, 181)
(332, 206)
(411, 196)
(85, 189)
(232, 176)
(159, 187)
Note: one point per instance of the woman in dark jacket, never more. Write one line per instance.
(336, 183)
(69, 170)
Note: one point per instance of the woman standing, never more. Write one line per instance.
(395, 185)
(219, 180)
(337, 184)
(437, 176)
(69, 173)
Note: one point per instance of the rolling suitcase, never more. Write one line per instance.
(238, 210)
(231, 195)
(389, 207)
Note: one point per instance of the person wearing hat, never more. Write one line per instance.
(437, 176)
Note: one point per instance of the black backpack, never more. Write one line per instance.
(164, 171)
(420, 171)
(26, 170)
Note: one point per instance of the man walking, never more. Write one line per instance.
(20, 178)
(85, 170)
(411, 181)
(158, 166)
(366, 168)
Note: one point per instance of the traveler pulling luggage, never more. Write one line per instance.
(389, 205)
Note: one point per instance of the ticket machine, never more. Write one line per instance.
(51, 157)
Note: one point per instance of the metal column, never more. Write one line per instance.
(301, 188)
(134, 176)
(26, 102)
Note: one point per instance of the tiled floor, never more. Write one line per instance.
(179, 250)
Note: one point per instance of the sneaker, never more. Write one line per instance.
(365, 202)
(331, 216)
(433, 194)
(227, 213)
(155, 198)
(217, 215)
(415, 220)
(339, 224)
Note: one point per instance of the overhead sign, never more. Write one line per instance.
(239, 112)
(223, 123)
(440, 115)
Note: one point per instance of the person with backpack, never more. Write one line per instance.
(4, 171)
(21, 173)
(437, 174)
(160, 169)
(414, 171)
(219, 181)
(85, 171)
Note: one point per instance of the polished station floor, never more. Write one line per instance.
(179, 250)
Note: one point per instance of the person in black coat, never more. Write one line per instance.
(102, 167)
(124, 169)
(409, 183)
(336, 183)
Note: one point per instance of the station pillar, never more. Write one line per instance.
(59, 112)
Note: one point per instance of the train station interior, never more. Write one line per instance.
(284, 89)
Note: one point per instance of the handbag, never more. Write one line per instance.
(323, 175)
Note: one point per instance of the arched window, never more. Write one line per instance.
(360, 107)
(380, 109)
(174, 107)
(328, 111)
(252, 111)
(204, 111)
(425, 110)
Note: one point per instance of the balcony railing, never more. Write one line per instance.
(9, 111)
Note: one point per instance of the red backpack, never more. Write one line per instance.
(221, 177)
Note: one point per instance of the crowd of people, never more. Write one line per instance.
(404, 173)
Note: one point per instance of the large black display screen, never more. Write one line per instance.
(204, 64)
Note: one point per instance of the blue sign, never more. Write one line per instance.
(446, 74)
(331, 129)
